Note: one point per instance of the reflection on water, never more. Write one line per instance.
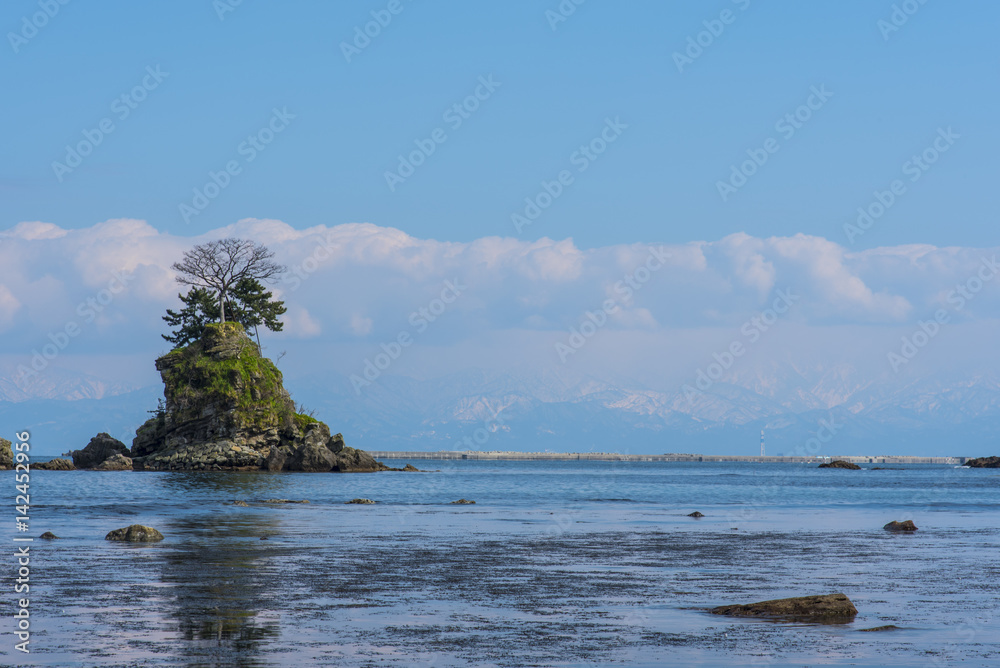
(221, 578)
(223, 484)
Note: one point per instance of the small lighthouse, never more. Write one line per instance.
(761, 442)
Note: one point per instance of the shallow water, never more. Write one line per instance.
(557, 564)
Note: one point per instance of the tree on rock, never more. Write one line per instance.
(218, 267)
(248, 303)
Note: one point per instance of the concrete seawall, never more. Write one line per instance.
(615, 457)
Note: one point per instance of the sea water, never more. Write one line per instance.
(556, 564)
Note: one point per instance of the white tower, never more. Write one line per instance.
(761, 442)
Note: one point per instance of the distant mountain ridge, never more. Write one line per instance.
(559, 410)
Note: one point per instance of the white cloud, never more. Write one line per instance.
(370, 279)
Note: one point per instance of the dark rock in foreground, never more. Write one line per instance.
(463, 502)
(283, 501)
(840, 464)
(57, 464)
(6, 454)
(101, 448)
(887, 627)
(136, 533)
(226, 409)
(984, 463)
(115, 463)
(906, 525)
(801, 607)
(360, 501)
(48, 535)
(695, 514)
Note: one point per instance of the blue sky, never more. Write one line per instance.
(557, 87)
(724, 148)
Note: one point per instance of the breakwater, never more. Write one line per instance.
(669, 457)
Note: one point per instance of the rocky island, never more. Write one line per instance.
(226, 409)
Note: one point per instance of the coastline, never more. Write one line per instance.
(670, 457)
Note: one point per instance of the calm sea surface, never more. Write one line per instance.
(557, 564)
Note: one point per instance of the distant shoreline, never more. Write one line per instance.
(672, 457)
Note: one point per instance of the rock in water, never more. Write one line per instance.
(244, 504)
(887, 627)
(463, 502)
(136, 533)
(695, 514)
(101, 448)
(801, 607)
(984, 463)
(48, 535)
(840, 464)
(6, 454)
(360, 501)
(57, 464)
(115, 463)
(226, 409)
(906, 525)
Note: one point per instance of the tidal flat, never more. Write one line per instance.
(557, 564)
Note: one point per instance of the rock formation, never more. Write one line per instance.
(226, 409)
(984, 463)
(696, 514)
(135, 533)
(906, 525)
(117, 462)
(101, 448)
(840, 464)
(800, 607)
(57, 464)
(6, 454)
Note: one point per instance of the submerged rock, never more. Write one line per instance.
(57, 464)
(136, 533)
(226, 409)
(283, 501)
(101, 448)
(984, 463)
(48, 535)
(244, 504)
(463, 502)
(906, 525)
(840, 464)
(695, 514)
(887, 627)
(115, 463)
(360, 501)
(800, 607)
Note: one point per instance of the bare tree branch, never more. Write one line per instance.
(221, 264)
